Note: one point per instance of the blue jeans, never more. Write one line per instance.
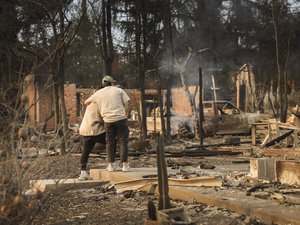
(117, 132)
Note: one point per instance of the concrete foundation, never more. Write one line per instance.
(285, 171)
(288, 172)
(54, 185)
(269, 211)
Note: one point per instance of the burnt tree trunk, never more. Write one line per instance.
(107, 50)
(169, 51)
(61, 84)
(201, 114)
(280, 81)
(55, 98)
(160, 101)
(138, 33)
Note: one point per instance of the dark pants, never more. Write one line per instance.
(117, 131)
(88, 145)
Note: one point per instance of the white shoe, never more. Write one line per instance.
(84, 176)
(126, 167)
(112, 167)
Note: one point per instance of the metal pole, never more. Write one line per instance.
(201, 116)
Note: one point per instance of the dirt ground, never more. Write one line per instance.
(102, 205)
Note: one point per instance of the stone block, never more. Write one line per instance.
(288, 171)
(263, 168)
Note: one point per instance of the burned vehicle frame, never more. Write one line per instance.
(223, 117)
(220, 118)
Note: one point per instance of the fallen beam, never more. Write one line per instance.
(239, 149)
(192, 182)
(197, 153)
(279, 152)
(217, 145)
(193, 153)
(278, 139)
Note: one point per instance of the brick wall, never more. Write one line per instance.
(74, 99)
(29, 94)
(45, 104)
(40, 106)
(41, 89)
(70, 100)
(181, 103)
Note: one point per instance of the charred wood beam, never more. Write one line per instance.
(200, 153)
(278, 139)
(192, 153)
(180, 154)
(217, 145)
(163, 185)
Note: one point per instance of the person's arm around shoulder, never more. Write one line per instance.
(90, 99)
(87, 102)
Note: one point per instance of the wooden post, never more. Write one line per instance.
(201, 116)
(296, 145)
(277, 129)
(238, 90)
(154, 115)
(214, 88)
(253, 133)
(269, 132)
(163, 185)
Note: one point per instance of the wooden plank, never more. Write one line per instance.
(253, 134)
(296, 139)
(139, 184)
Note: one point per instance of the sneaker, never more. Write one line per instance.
(112, 167)
(84, 176)
(126, 167)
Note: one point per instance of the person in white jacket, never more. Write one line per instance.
(92, 131)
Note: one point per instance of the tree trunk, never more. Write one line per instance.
(107, 50)
(169, 51)
(201, 114)
(55, 97)
(280, 81)
(61, 84)
(160, 100)
(138, 25)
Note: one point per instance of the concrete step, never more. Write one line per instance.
(53, 185)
